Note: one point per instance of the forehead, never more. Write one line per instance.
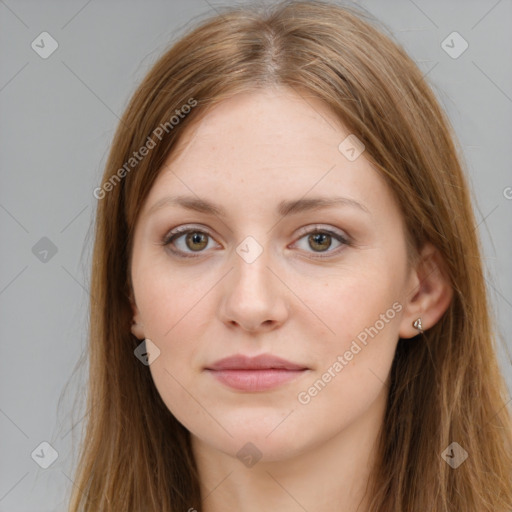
(278, 120)
(261, 147)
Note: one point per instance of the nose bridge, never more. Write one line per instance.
(252, 260)
(251, 295)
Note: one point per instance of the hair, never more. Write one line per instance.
(445, 384)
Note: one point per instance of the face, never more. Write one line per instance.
(321, 288)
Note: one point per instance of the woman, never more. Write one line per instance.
(288, 308)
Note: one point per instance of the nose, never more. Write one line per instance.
(254, 297)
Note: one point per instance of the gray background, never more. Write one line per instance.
(58, 116)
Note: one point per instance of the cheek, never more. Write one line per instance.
(355, 354)
(179, 392)
(333, 404)
(169, 299)
(174, 318)
(353, 370)
(351, 300)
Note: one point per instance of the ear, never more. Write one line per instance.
(429, 292)
(137, 327)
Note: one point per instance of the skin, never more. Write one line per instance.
(249, 153)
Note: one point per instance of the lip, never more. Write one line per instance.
(261, 362)
(258, 373)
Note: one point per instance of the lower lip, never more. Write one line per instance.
(255, 380)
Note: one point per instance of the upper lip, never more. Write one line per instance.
(261, 362)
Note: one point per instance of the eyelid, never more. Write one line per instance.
(186, 228)
(313, 228)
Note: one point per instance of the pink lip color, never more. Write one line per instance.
(258, 373)
(255, 380)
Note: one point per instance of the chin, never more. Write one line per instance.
(253, 443)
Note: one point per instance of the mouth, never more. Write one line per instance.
(254, 374)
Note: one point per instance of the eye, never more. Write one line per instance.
(187, 241)
(192, 238)
(321, 240)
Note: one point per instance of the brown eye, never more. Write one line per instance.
(184, 242)
(196, 240)
(320, 241)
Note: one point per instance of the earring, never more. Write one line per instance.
(417, 325)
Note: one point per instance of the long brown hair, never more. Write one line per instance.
(445, 385)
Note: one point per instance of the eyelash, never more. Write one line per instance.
(177, 233)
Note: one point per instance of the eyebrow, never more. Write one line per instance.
(285, 207)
